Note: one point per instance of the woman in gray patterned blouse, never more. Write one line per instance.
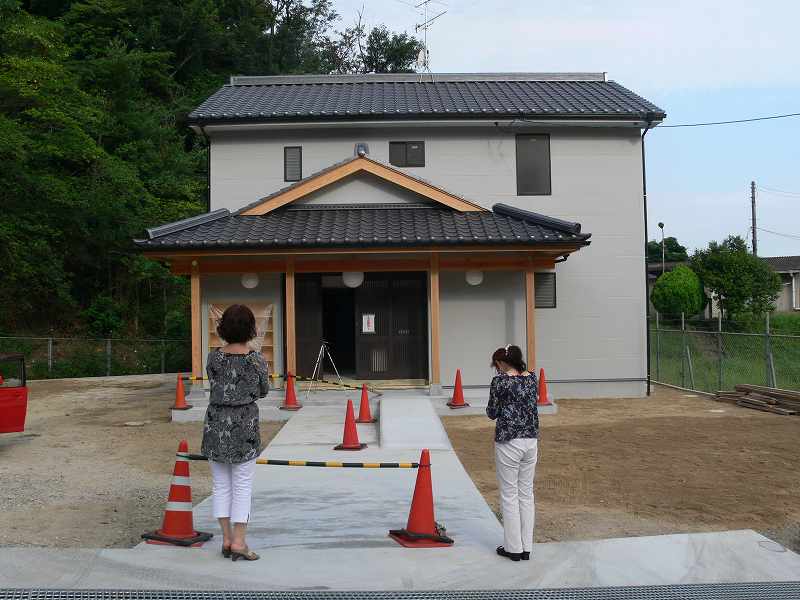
(512, 402)
(231, 437)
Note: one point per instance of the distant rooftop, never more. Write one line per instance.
(782, 263)
(404, 96)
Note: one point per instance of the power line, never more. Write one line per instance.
(771, 190)
(787, 235)
(750, 120)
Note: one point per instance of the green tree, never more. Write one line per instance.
(94, 143)
(673, 251)
(678, 291)
(741, 284)
(378, 50)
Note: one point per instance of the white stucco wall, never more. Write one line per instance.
(598, 331)
(476, 320)
(228, 288)
(362, 188)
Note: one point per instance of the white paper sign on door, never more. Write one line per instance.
(367, 323)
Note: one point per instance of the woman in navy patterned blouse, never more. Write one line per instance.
(512, 403)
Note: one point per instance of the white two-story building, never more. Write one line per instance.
(419, 222)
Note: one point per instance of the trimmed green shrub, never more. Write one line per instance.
(678, 291)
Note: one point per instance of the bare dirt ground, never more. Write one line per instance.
(666, 464)
(79, 477)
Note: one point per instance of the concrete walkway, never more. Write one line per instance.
(326, 529)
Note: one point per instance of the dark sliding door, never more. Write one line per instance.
(392, 326)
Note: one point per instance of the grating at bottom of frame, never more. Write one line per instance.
(789, 590)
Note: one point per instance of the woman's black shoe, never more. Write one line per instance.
(515, 556)
(525, 555)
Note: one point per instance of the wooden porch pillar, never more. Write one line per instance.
(197, 328)
(291, 344)
(530, 318)
(433, 290)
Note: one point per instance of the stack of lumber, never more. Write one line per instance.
(767, 399)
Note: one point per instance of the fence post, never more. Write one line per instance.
(683, 350)
(768, 363)
(163, 356)
(658, 349)
(49, 355)
(719, 351)
(108, 357)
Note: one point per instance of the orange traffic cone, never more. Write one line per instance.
(457, 401)
(180, 396)
(364, 413)
(290, 401)
(178, 526)
(422, 530)
(543, 400)
(350, 438)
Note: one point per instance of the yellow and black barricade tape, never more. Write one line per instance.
(347, 386)
(334, 464)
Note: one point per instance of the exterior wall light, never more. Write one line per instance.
(249, 280)
(474, 277)
(353, 279)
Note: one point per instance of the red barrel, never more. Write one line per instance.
(13, 393)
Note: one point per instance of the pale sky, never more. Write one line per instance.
(700, 60)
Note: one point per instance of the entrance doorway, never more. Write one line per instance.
(339, 327)
(378, 330)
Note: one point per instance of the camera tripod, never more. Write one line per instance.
(319, 367)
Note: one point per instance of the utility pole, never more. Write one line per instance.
(753, 209)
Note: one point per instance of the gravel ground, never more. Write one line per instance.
(671, 463)
(79, 477)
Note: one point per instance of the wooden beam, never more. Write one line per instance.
(196, 316)
(291, 343)
(341, 265)
(530, 317)
(334, 265)
(493, 263)
(326, 178)
(433, 290)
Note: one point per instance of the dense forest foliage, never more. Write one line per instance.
(94, 145)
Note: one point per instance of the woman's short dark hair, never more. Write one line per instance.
(237, 325)
(511, 355)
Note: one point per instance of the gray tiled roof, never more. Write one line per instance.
(384, 226)
(783, 263)
(513, 96)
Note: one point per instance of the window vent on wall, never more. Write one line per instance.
(292, 163)
(545, 289)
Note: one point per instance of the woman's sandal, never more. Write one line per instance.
(226, 552)
(249, 555)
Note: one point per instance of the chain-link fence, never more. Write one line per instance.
(51, 357)
(703, 355)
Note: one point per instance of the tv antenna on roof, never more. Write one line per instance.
(424, 56)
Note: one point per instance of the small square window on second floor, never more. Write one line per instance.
(292, 163)
(533, 165)
(407, 154)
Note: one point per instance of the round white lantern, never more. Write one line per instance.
(249, 280)
(353, 279)
(474, 277)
